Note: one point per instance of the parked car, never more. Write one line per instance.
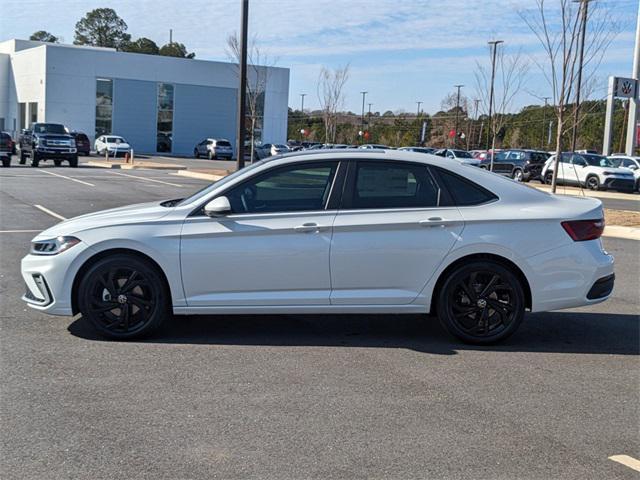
(461, 156)
(13, 143)
(521, 165)
(48, 141)
(114, 145)
(594, 172)
(632, 163)
(83, 144)
(214, 148)
(376, 146)
(413, 234)
(6, 149)
(275, 148)
(417, 149)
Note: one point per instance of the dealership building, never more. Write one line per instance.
(158, 104)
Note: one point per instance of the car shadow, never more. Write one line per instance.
(557, 332)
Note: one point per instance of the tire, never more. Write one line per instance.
(23, 158)
(481, 302)
(57, 162)
(548, 178)
(6, 162)
(592, 183)
(35, 160)
(211, 155)
(518, 175)
(196, 153)
(123, 297)
(73, 161)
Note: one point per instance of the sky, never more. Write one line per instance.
(399, 51)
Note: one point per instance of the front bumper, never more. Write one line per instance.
(617, 183)
(49, 279)
(532, 172)
(56, 152)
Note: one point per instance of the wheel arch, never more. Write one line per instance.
(505, 262)
(106, 253)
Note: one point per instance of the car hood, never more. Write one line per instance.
(129, 215)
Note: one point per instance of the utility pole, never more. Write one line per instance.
(302, 95)
(544, 120)
(584, 8)
(418, 122)
(470, 128)
(491, 130)
(242, 91)
(170, 36)
(364, 94)
(631, 143)
(455, 137)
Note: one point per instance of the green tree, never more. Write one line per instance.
(102, 27)
(141, 45)
(44, 36)
(176, 49)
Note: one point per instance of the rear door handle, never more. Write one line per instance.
(310, 227)
(437, 222)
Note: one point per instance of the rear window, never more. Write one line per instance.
(464, 192)
(223, 143)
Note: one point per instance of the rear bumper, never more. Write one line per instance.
(602, 288)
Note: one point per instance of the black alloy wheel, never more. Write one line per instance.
(123, 297)
(481, 303)
(593, 183)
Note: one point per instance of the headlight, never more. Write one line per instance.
(72, 142)
(41, 142)
(608, 173)
(54, 246)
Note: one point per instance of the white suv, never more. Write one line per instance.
(592, 171)
(214, 148)
(632, 163)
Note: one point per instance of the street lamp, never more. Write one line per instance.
(364, 94)
(455, 137)
(491, 134)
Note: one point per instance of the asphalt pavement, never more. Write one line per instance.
(302, 396)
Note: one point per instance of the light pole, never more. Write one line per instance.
(491, 134)
(544, 119)
(584, 8)
(364, 94)
(242, 94)
(455, 137)
(302, 95)
(369, 120)
(418, 122)
(476, 101)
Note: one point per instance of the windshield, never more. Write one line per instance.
(461, 154)
(115, 140)
(49, 128)
(205, 191)
(597, 160)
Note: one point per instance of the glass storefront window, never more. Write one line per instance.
(165, 118)
(104, 106)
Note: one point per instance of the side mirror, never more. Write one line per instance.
(632, 167)
(218, 207)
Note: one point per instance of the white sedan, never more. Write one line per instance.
(113, 144)
(330, 232)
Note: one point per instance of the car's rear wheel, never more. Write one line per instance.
(6, 162)
(123, 297)
(593, 183)
(35, 160)
(73, 162)
(481, 302)
(211, 155)
(23, 158)
(196, 153)
(548, 178)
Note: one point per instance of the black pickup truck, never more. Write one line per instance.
(48, 141)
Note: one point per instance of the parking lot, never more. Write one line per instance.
(302, 396)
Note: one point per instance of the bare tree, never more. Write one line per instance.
(331, 97)
(258, 63)
(510, 79)
(558, 31)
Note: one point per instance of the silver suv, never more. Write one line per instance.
(213, 149)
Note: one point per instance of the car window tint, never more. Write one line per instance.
(288, 189)
(386, 185)
(465, 192)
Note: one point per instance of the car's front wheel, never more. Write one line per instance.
(518, 175)
(481, 302)
(123, 297)
(548, 178)
(593, 183)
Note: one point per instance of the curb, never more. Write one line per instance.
(628, 233)
(141, 165)
(199, 175)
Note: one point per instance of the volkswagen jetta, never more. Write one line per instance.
(351, 231)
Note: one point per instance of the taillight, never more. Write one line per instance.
(583, 230)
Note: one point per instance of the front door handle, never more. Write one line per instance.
(309, 227)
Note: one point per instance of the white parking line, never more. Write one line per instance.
(147, 179)
(19, 231)
(49, 212)
(69, 178)
(627, 461)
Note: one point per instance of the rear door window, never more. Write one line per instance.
(465, 192)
